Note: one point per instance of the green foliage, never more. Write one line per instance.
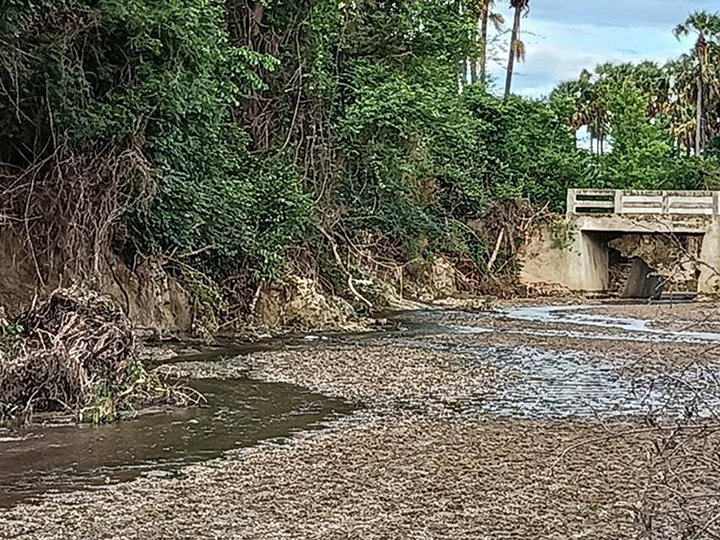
(412, 161)
(649, 125)
(12, 341)
(252, 127)
(412, 152)
(164, 76)
(230, 210)
(532, 150)
(112, 401)
(643, 156)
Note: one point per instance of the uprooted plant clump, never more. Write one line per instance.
(76, 352)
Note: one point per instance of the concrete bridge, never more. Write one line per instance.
(574, 253)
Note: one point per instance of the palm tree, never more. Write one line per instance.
(573, 92)
(707, 27)
(588, 109)
(486, 16)
(654, 81)
(591, 107)
(517, 47)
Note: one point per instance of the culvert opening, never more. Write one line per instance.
(618, 271)
(649, 265)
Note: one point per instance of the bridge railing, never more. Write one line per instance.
(610, 201)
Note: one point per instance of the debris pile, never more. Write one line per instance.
(74, 352)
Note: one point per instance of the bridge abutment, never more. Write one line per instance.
(580, 261)
(709, 280)
(588, 260)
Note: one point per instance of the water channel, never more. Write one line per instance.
(244, 412)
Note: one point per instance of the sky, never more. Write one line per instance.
(563, 37)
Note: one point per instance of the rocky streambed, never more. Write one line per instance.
(526, 422)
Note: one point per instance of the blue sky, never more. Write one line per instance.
(564, 36)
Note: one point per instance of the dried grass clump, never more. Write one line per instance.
(74, 352)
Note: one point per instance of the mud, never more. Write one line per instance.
(520, 423)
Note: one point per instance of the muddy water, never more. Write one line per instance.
(570, 316)
(240, 412)
(563, 385)
(559, 321)
(572, 384)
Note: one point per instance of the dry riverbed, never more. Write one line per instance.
(497, 426)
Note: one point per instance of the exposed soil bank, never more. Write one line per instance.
(163, 305)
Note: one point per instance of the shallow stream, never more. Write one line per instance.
(240, 412)
(548, 385)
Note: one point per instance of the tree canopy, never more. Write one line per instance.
(221, 134)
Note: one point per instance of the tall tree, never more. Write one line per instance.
(486, 16)
(707, 27)
(517, 47)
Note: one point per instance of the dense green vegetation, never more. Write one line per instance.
(652, 126)
(221, 134)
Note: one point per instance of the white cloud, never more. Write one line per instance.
(619, 13)
(547, 64)
(563, 37)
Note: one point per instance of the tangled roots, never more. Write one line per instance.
(74, 352)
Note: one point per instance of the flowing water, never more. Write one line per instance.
(570, 316)
(554, 385)
(572, 384)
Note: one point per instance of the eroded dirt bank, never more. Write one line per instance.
(509, 424)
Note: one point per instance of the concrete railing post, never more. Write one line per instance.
(618, 201)
(571, 196)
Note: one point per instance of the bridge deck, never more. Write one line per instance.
(597, 202)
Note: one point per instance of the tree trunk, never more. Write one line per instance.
(484, 43)
(699, 117)
(258, 12)
(511, 59)
(462, 63)
(474, 64)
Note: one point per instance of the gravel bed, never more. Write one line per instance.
(400, 476)
(369, 373)
(381, 374)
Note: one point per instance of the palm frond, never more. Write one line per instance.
(519, 50)
(498, 20)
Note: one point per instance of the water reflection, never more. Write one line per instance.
(240, 412)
